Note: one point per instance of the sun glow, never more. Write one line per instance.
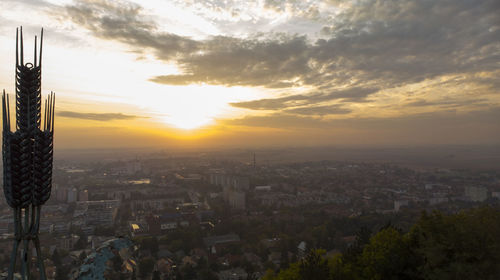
(194, 106)
(188, 121)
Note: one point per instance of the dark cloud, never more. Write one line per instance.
(96, 116)
(278, 120)
(355, 94)
(273, 103)
(372, 45)
(123, 22)
(381, 43)
(229, 61)
(320, 110)
(386, 43)
(447, 103)
(437, 122)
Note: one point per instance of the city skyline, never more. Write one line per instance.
(300, 73)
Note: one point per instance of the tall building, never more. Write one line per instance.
(72, 195)
(62, 194)
(237, 200)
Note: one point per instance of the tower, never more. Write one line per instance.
(254, 161)
(27, 156)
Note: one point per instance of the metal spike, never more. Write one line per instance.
(22, 48)
(17, 48)
(53, 111)
(4, 111)
(45, 117)
(41, 45)
(8, 111)
(49, 114)
(34, 60)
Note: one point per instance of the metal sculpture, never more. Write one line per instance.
(27, 156)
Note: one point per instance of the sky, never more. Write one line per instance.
(263, 73)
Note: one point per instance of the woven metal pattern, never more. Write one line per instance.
(27, 155)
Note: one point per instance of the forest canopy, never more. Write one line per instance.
(465, 245)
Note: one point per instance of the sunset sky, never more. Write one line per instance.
(263, 73)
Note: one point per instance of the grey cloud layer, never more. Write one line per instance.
(482, 122)
(96, 116)
(354, 94)
(372, 45)
(121, 21)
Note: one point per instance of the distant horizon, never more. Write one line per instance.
(473, 157)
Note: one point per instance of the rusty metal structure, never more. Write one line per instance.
(27, 157)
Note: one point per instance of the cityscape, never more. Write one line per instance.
(199, 217)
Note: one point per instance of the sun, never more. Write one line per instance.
(190, 107)
(188, 121)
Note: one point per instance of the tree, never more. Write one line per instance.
(82, 242)
(156, 275)
(146, 266)
(82, 256)
(460, 246)
(314, 266)
(388, 256)
(188, 272)
(117, 263)
(56, 258)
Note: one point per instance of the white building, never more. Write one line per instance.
(476, 194)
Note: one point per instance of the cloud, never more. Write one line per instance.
(439, 123)
(380, 43)
(367, 47)
(96, 116)
(277, 63)
(448, 103)
(356, 94)
(320, 110)
(122, 21)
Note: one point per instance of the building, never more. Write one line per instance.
(263, 188)
(62, 194)
(237, 200)
(239, 183)
(134, 167)
(83, 195)
(98, 213)
(72, 195)
(232, 274)
(399, 203)
(214, 243)
(476, 194)
(495, 195)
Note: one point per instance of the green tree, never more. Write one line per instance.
(314, 266)
(461, 246)
(388, 256)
